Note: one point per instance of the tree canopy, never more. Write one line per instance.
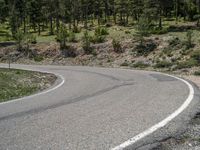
(37, 14)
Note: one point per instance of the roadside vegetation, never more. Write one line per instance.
(160, 35)
(18, 83)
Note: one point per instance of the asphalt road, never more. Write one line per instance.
(92, 109)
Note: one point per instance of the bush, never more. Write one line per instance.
(187, 64)
(197, 17)
(97, 39)
(117, 46)
(189, 43)
(101, 31)
(163, 64)
(196, 56)
(104, 31)
(108, 25)
(76, 29)
(19, 38)
(99, 35)
(69, 51)
(62, 36)
(174, 41)
(140, 64)
(145, 48)
(86, 43)
(159, 31)
(125, 64)
(143, 26)
(168, 52)
(127, 32)
(23, 41)
(122, 23)
(197, 73)
(33, 39)
(38, 58)
(72, 37)
(29, 39)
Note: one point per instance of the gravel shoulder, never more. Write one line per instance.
(188, 139)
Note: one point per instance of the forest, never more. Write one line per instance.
(40, 14)
(133, 33)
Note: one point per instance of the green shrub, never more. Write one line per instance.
(99, 35)
(38, 58)
(86, 43)
(197, 73)
(33, 39)
(104, 31)
(23, 41)
(101, 31)
(19, 38)
(76, 29)
(97, 39)
(158, 31)
(69, 51)
(108, 25)
(143, 26)
(28, 39)
(72, 37)
(125, 63)
(62, 36)
(189, 43)
(168, 52)
(145, 48)
(127, 32)
(174, 41)
(142, 30)
(117, 46)
(163, 64)
(196, 56)
(122, 23)
(187, 64)
(140, 64)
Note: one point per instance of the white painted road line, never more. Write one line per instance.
(162, 123)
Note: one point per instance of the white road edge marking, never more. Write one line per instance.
(40, 93)
(162, 123)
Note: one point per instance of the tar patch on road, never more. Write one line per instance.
(162, 78)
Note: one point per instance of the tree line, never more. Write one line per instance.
(39, 14)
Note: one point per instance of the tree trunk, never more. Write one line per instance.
(51, 26)
(39, 29)
(160, 19)
(24, 25)
(176, 10)
(57, 24)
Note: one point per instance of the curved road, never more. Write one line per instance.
(93, 108)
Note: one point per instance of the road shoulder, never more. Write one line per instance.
(183, 132)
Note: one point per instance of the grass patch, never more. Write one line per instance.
(19, 83)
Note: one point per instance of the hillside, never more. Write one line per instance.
(167, 52)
